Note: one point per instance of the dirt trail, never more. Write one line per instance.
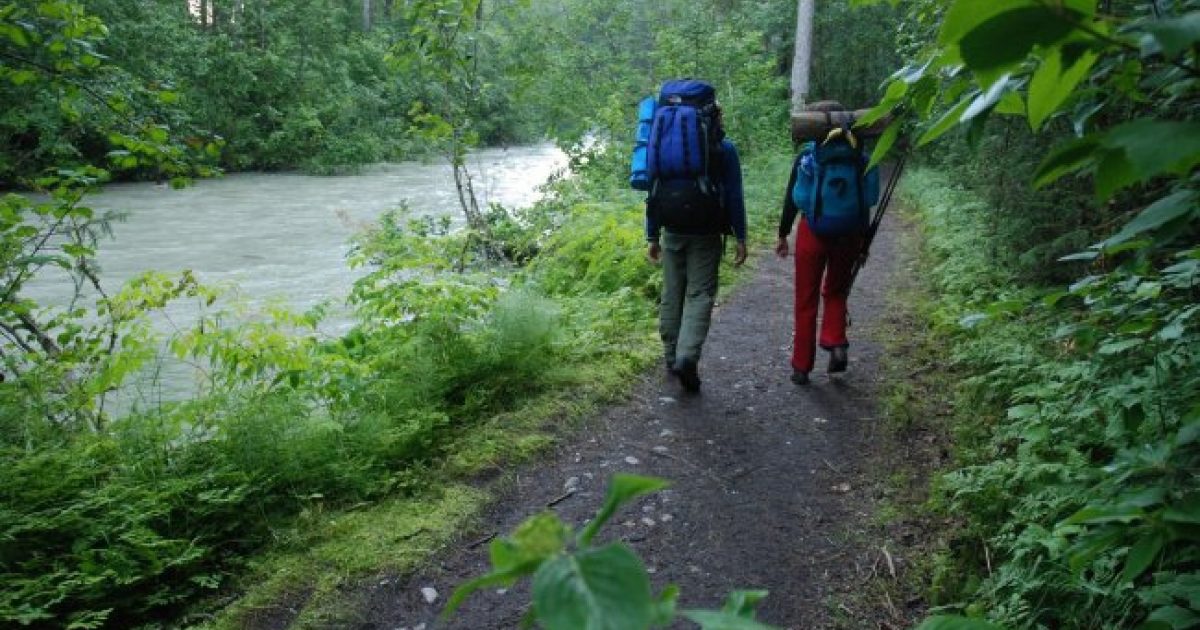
(772, 483)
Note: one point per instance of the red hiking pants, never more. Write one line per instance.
(831, 259)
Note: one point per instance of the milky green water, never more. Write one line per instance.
(281, 238)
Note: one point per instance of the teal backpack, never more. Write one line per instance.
(833, 188)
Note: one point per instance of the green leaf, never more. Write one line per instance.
(721, 620)
(1052, 84)
(885, 144)
(946, 122)
(664, 607)
(596, 589)
(1178, 617)
(1157, 214)
(986, 101)
(1118, 347)
(1142, 555)
(1020, 412)
(1086, 550)
(953, 622)
(1067, 158)
(1186, 511)
(1143, 149)
(623, 489)
(1105, 514)
(1005, 40)
(966, 15)
(1011, 104)
(742, 603)
(1172, 36)
(535, 540)
(495, 578)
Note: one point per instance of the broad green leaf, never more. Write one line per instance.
(1085, 551)
(1105, 514)
(1052, 84)
(1186, 512)
(966, 15)
(1143, 149)
(623, 489)
(1142, 555)
(1022, 411)
(721, 620)
(1172, 36)
(1157, 214)
(946, 122)
(1006, 39)
(1118, 347)
(894, 94)
(1067, 158)
(1011, 104)
(885, 144)
(535, 540)
(596, 589)
(1178, 617)
(953, 622)
(986, 101)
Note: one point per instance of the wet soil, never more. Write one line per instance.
(774, 486)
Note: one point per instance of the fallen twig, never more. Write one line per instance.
(482, 541)
(563, 497)
(891, 565)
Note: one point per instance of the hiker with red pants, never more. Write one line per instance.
(833, 192)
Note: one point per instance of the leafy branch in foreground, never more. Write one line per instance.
(579, 585)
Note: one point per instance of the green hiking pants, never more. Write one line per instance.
(690, 264)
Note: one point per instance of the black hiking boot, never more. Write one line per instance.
(838, 359)
(689, 376)
(800, 378)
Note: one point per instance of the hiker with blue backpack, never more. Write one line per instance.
(693, 178)
(832, 191)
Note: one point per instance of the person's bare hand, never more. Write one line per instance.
(739, 254)
(781, 248)
(654, 252)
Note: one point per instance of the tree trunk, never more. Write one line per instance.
(802, 61)
(366, 16)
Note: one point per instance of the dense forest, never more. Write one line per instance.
(1054, 194)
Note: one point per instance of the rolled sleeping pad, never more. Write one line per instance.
(815, 125)
(639, 176)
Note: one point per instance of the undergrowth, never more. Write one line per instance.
(1074, 481)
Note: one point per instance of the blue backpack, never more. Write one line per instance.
(679, 161)
(833, 188)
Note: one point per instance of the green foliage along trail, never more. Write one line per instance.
(1065, 267)
(1059, 213)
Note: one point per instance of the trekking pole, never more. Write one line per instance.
(884, 201)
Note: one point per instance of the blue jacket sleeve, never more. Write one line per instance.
(731, 186)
